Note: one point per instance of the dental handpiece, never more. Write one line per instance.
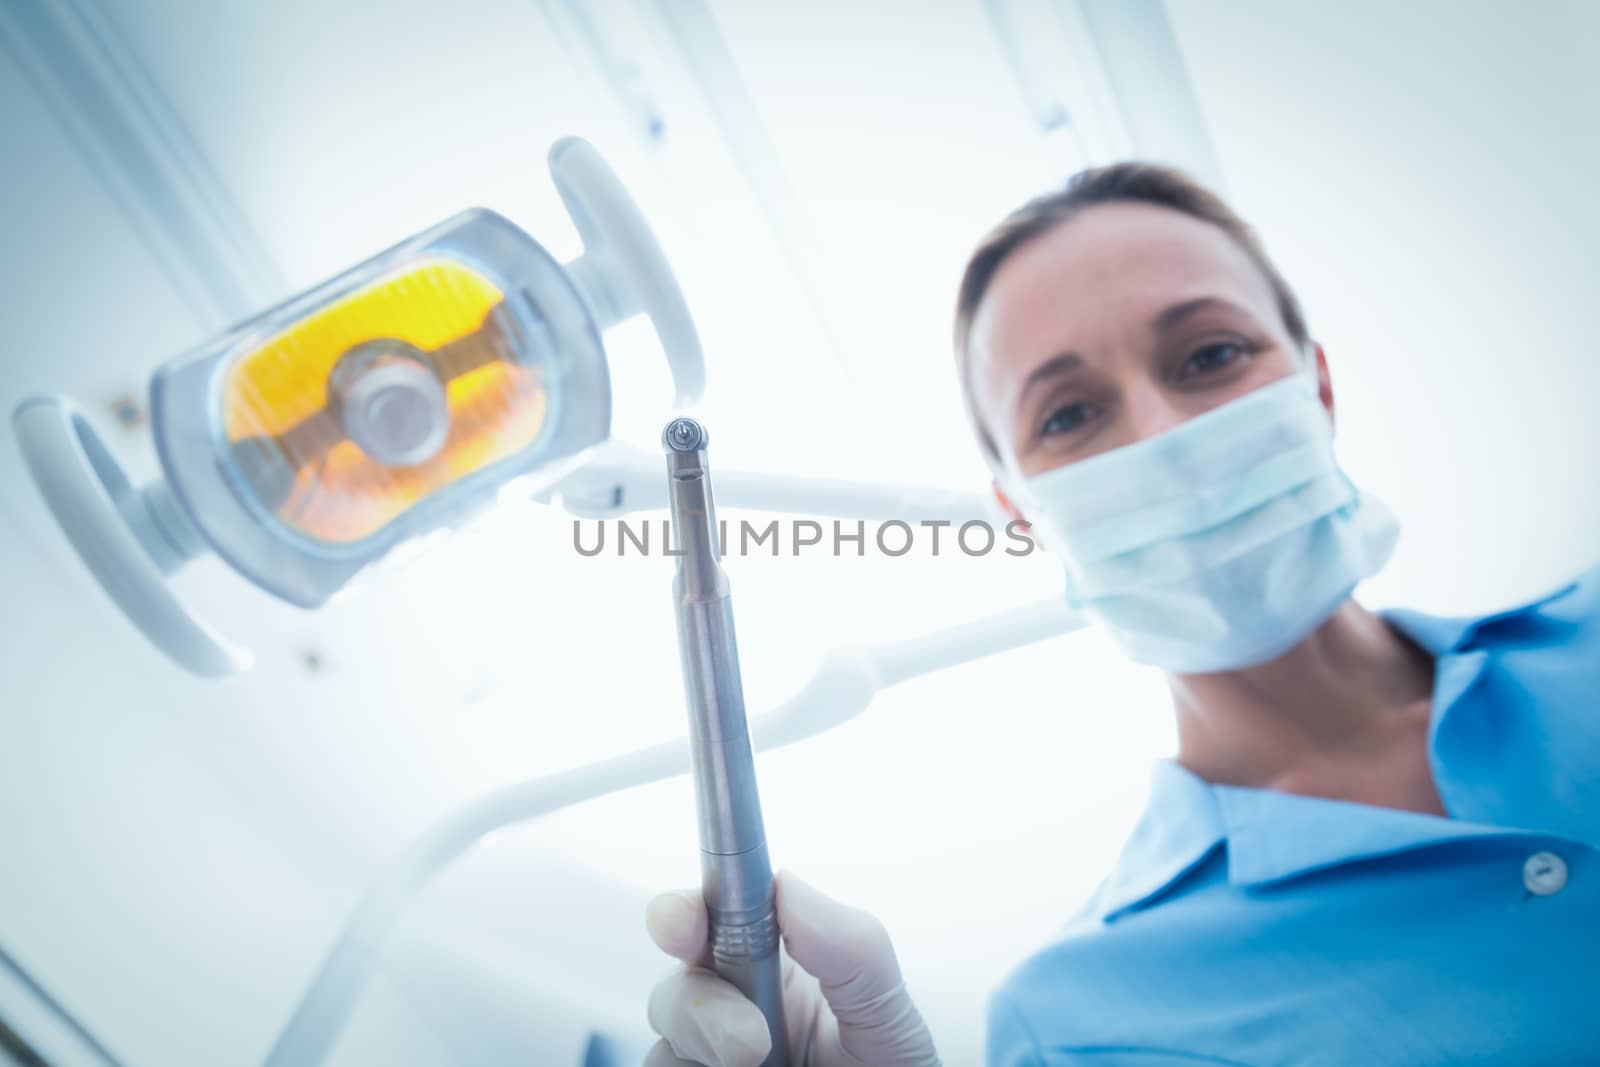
(736, 873)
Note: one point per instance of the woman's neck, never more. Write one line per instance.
(1344, 714)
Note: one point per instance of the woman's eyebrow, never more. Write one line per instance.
(1054, 367)
(1174, 316)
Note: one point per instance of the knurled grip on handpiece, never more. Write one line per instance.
(734, 941)
(740, 905)
(742, 914)
(745, 954)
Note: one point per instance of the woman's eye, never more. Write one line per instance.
(1068, 418)
(1212, 358)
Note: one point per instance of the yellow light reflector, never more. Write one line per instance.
(352, 415)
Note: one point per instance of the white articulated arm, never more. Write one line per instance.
(618, 479)
(841, 689)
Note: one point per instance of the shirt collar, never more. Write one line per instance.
(1446, 634)
(1271, 836)
(1181, 825)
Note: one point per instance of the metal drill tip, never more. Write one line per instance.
(683, 435)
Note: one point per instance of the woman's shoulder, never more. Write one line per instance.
(1109, 975)
(1136, 989)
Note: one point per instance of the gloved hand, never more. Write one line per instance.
(843, 997)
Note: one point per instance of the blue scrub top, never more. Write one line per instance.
(1247, 926)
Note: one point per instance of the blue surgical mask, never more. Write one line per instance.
(1221, 543)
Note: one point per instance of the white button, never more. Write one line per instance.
(1544, 873)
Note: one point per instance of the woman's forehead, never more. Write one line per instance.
(1104, 275)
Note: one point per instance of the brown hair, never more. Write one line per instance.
(1133, 182)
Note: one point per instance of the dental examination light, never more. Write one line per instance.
(842, 687)
(398, 398)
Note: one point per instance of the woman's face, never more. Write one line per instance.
(1115, 326)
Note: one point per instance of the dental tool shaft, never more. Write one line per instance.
(736, 872)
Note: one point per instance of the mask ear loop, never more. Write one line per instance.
(129, 538)
(1020, 499)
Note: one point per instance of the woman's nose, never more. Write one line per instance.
(1151, 412)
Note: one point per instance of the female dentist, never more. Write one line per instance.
(1378, 840)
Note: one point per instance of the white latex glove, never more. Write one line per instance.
(845, 1002)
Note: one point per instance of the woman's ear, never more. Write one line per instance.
(1324, 379)
(1007, 506)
